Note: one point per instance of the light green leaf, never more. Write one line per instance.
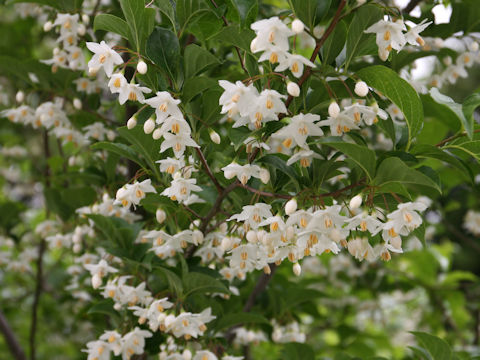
(197, 59)
(364, 17)
(361, 155)
(189, 11)
(235, 36)
(392, 171)
(472, 148)
(230, 320)
(456, 109)
(197, 282)
(133, 11)
(120, 149)
(111, 23)
(398, 91)
(297, 351)
(468, 108)
(166, 8)
(174, 282)
(436, 347)
(194, 86)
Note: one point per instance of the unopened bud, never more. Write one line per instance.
(297, 269)
(81, 29)
(474, 46)
(160, 215)
(226, 243)
(361, 89)
(77, 248)
(187, 354)
(293, 89)
(157, 134)
(197, 237)
(149, 126)
(215, 137)
(229, 174)
(85, 18)
(77, 103)
(291, 206)
(132, 122)
(447, 61)
(297, 26)
(142, 67)
(253, 45)
(333, 109)
(20, 96)
(355, 202)
(93, 71)
(47, 26)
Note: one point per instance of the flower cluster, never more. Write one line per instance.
(393, 35)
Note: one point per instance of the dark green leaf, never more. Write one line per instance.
(197, 59)
(111, 23)
(436, 347)
(361, 155)
(164, 50)
(468, 107)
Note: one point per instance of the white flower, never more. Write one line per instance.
(294, 63)
(301, 126)
(132, 92)
(133, 193)
(171, 165)
(242, 172)
(412, 36)
(405, 218)
(364, 222)
(181, 188)
(104, 57)
(98, 350)
(253, 215)
(177, 142)
(165, 105)
(271, 32)
(134, 342)
(304, 156)
(117, 82)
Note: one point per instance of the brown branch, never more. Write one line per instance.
(265, 193)
(193, 212)
(242, 64)
(10, 339)
(208, 170)
(261, 285)
(443, 142)
(410, 6)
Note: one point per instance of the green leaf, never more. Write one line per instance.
(230, 320)
(364, 17)
(441, 112)
(472, 148)
(143, 144)
(133, 10)
(166, 8)
(197, 282)
(335, 43)
(104, 307)
(361, 155)
(174, 282)
(197, 59)
(119, 149)
(233, 35)
(189, 11)
(280, 165)
(111, 23)
(431, 151)
(436, 347)
(310, 12)
(297, 351)
(164, 50)
(247, 10)
(398, 91)
(197, 85)
(456, 109)
(394, 171)
(468, 108)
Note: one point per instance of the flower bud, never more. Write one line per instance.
(47, 26)
(297, 269)
(132, 122)
(93, 71)
(361, 89)
(226, 244)
(77, 248)
(297, 26)
(383, 54)
(187, 354)
(85, 18)
(447, 61)
(264, 175)
(251, 236)
(56, 51)
(142, 67)
(355, 202)
(157, 134)
(96, 281)
(160, 215)
(20, 96)
(333, 109)
(77, 103)
(81, 29)
(293, 89)
(215, 137)
(291, 206)
(149, 126)
(117, 306)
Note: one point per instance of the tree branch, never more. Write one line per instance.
(208, 170)
(11, 339)
(410, 6)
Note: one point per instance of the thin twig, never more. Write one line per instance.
(265, 193)
(10, 339)
(208, 170)
(443, 142)
(242, 64)
(410, 6)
